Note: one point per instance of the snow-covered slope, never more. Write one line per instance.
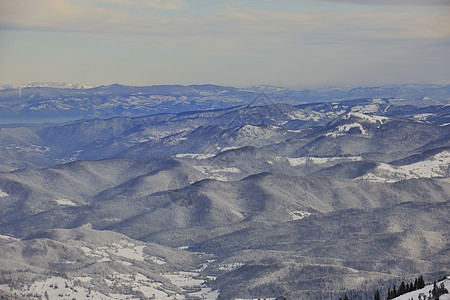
(426, 292)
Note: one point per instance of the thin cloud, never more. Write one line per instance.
(230, 22)
(76, 15)
(152, 4)
(389, 2)
(363, 24)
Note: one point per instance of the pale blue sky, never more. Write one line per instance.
(290, 43)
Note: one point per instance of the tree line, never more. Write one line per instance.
(404, 288)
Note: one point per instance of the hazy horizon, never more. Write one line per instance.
(57, 84)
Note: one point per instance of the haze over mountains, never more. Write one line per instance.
(220, 192)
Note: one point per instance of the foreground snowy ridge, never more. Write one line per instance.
(426, 291)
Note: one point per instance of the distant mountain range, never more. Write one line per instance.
(58, 102)
(230, 193)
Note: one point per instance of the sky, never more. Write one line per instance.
(290, 43)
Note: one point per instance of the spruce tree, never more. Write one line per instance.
(442, 289)
(420, 282)
(377, 296)
(402, 289)
(436, 291)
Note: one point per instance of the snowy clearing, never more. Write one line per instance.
(64, 201)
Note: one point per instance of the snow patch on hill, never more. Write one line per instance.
(378, 101)
(25, 148)
(255, 298)
(62, 288)
(370, 108)
(298, 215)
(304, 115)
(300, 161)
(213, 172)
(69, 288)
(369, 118)
(435, 166)
(344, 129)
(193, 284)
(7, 237)
(194, 155)
(230, 267)
(3, 194)
(431, 167)
(422, 117)
(64, 201)
(184, 285)
(119, 251)
(133, 253)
